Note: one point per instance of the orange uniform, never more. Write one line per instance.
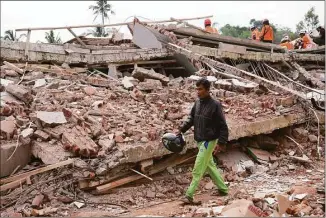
(288, 45)
(255, 34)
(306, 41)
(211, 29)
(267, 33)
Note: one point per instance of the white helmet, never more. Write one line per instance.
(302, 32)
(285, 38)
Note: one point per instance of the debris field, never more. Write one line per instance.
(81, 125)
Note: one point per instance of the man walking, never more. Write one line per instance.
(210, 131)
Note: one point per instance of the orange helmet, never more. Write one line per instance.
(208, 22)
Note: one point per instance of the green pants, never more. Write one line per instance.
(204, 162)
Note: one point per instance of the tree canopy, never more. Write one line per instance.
(102, 8)
(310, 21)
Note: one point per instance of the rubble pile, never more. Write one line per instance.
(71, 134)
(92, 117)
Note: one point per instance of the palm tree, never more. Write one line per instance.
(102, 8)
(10, 35)
(51, 38)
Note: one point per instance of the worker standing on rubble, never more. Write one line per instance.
(306, 40)
(321, 39)
(267, 33)
(254, 33)
(209, 28)
(285, 42)
(210, 132)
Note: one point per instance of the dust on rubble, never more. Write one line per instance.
(101, 124)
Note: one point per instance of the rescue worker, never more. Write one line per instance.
(306, 40)
(209, 28)
(285, 42)
(210, 132)
(298, 43)
(267, 33)
(321, 39)
(254, 33)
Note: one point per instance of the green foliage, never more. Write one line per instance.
(283, 31)
(11, 35)
(310, 22)
(244, 32)
(98, 32)
(102, 8)
(51, 38)
(235, 31)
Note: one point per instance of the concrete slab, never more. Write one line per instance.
(50, 153)
(51, 117)
(237, 129)
(21, 157)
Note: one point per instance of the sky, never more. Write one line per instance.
(27, 14)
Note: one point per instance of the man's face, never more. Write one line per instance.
(201, 91)
(301, 35)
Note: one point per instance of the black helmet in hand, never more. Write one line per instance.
(173, 142)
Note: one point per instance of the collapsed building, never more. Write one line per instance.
(102, 106)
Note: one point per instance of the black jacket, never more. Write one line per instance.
(208, 119)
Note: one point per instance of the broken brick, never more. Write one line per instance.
(42, 135)
(20, 92)
(78, 141)
(89, 90)
(303, 190)
(149, 85)
(37, 201)
(119, 139)
(300, 133)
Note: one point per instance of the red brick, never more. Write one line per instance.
(303, 189)
(119, 139)
(89, 90)
(37, 201)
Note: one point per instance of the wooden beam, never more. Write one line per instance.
(78, 39)
(27, 42)
(145, 164)
(188, 24)
(107, 25)
(12, 185)
(169, 162)
(37, 171)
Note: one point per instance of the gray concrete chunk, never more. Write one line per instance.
(51, 117)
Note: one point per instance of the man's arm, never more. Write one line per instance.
(220, 120)
(189, 122)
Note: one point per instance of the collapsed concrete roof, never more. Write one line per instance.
(116, 116)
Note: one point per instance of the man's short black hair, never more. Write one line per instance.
(204, 82)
